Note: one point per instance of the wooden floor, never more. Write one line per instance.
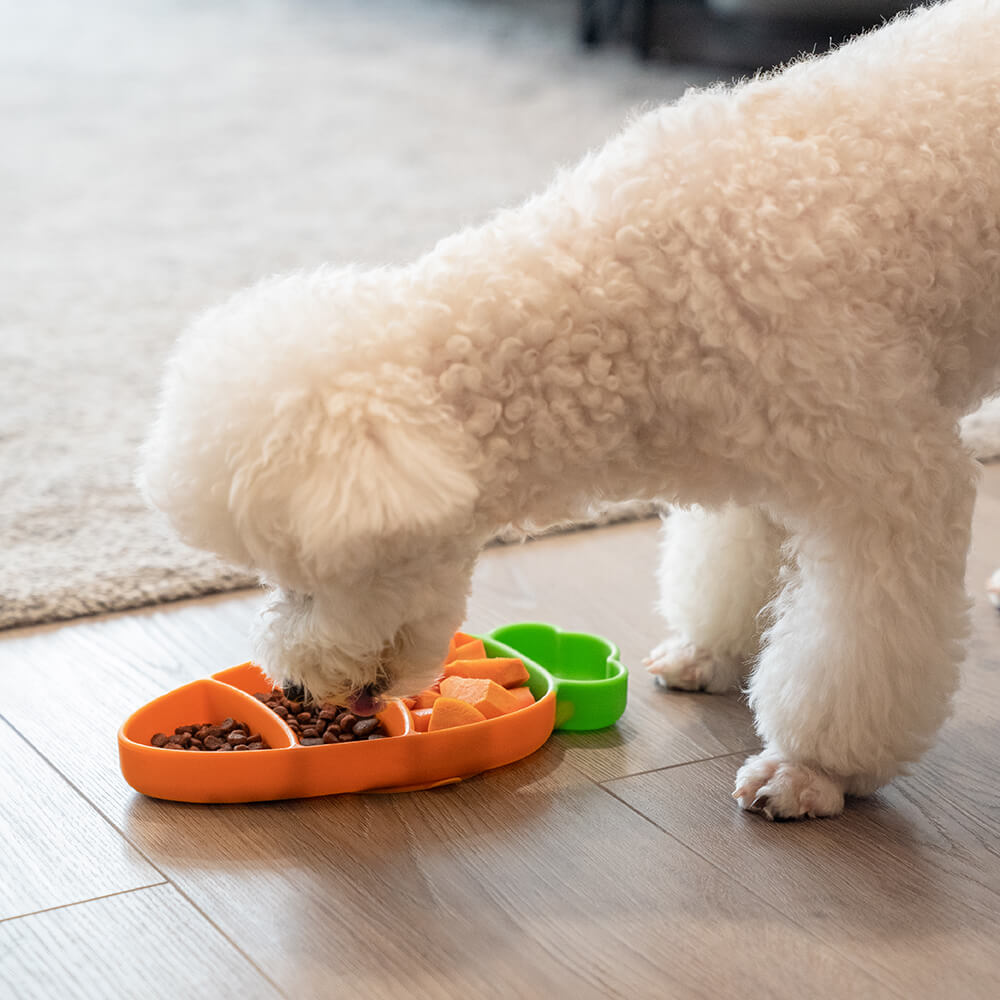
(612, 864)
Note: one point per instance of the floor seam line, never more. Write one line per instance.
(683, 763)
(82, 902)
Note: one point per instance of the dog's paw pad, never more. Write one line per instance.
(686, 667)
(779, 789)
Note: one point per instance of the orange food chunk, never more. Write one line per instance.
(483, 694)
(458, 639)
(471, 650)
(421, 719)
(450, 712)
(506, 671)
(523, 696)
(425, 698)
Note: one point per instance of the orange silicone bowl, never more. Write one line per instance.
(408, 760)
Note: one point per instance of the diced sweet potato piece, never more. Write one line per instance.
(523, 696)
(471, 650)
(426, 698)
(506, 671)
(458, 639)
(421, 719)
(450, 712)
(483, 694)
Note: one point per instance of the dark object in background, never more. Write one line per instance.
(741, 34)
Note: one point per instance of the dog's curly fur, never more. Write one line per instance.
(773, 301)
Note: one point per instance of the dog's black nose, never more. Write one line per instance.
(295, 692)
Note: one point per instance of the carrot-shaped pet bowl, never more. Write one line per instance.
(576, 681)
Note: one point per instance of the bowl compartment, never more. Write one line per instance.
(204, 701)
(590, 682)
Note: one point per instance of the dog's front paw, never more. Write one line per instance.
(780, 789)
(681, 665)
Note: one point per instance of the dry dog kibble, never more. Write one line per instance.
(365, 727)
(226, 735)
(315, 725)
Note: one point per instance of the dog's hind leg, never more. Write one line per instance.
(717, 570)
(857, 670)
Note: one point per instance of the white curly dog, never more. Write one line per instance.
(768, 305)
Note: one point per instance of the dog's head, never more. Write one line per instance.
(347, 485)
(367, 539)
(381, 633)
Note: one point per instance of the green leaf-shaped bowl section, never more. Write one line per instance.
(590, 683)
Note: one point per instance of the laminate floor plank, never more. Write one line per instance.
(897, 883)
(150, 943)
(57, 848)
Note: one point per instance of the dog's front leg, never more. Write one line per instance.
(858, 668)
(718, 568)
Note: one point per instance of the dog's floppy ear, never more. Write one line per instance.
(346, 476)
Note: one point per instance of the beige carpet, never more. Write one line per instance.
(156, 156)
